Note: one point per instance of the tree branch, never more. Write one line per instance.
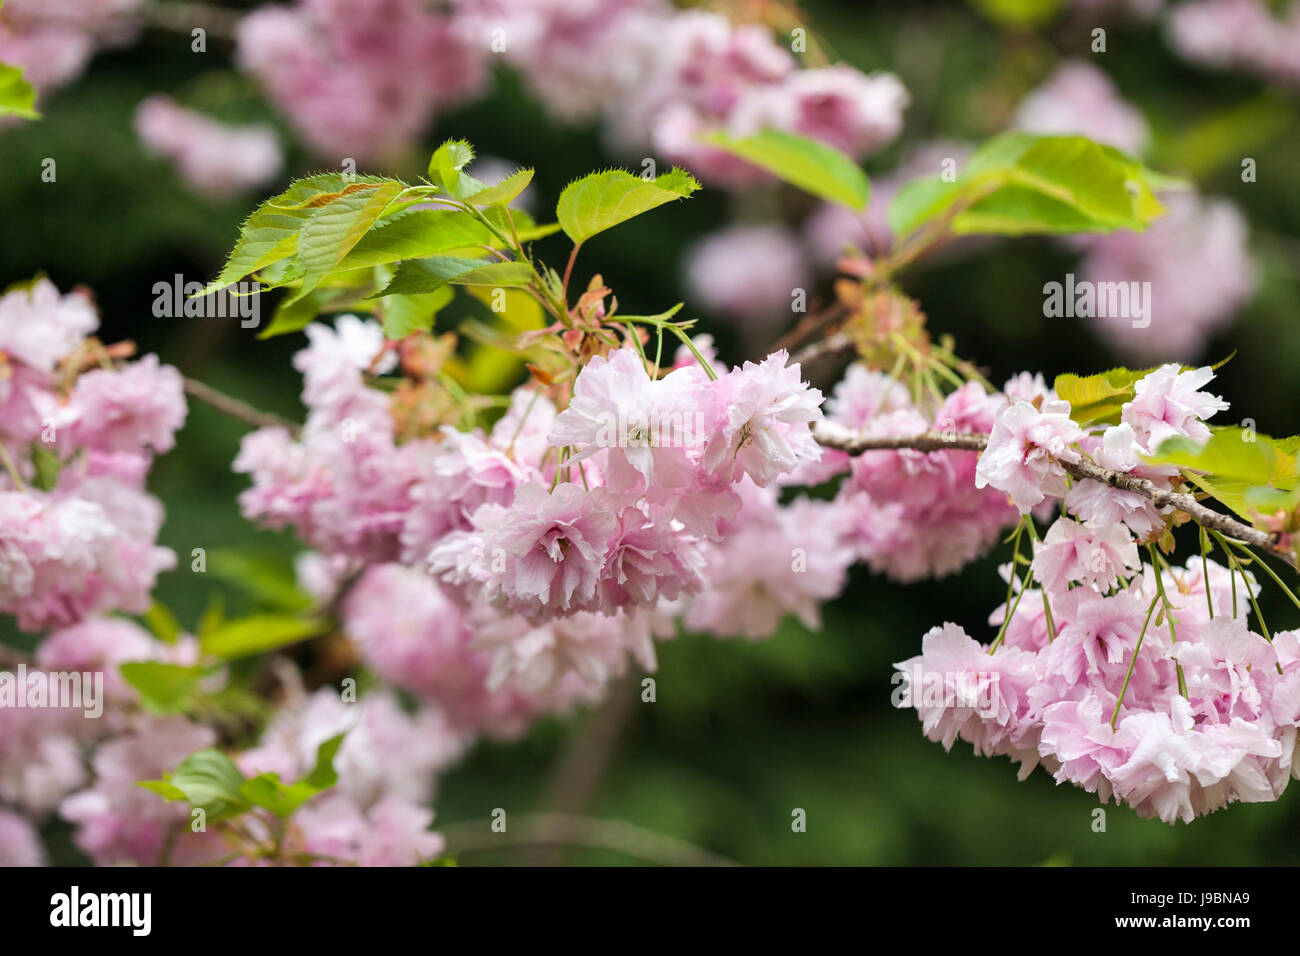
(183, 16)
(562, 829)
(577, 774)
(833, 345)
(831, 435)
(234, 407)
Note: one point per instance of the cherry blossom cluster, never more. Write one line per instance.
(360, 79)
(1141, 681)
(1248, 35)
(55, 761)
(1196, 256)
(212, 158)
(53, 40)
(78, 433)
(508, 572)
(364, 82)
(45, 752)
(911, 514)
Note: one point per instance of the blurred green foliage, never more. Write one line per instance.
(741, 734)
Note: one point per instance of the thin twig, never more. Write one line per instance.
(235, 408)
(563, 829)
(183, 16)
(833, 436)
(568, 272)
(836, 344)
(582, 764)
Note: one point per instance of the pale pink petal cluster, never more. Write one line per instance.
(1139, 683)
(911, 514)
(1249, 35)
(416, 638)
(751, 275)
(212, 158)
(1171, 403)
(360, 80)
(119, 822)
(1198, 273)
(1081, 99)
(771, 562)
(1026, 450)
(53, 40)
(1088, 554)
(764, 431)
(577, 57)
(710, 74)
(81, 541)
(20, 844)
(1053, 701)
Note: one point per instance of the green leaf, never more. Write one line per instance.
(1097, 399)
(162, 623)
(207, 780)
(417, 234)
(333, 229)
(268, 791)
(163, 789)
(421, 276)
(445, 169)
(406, 314)
(269, 581)
(1223, 138)
(1269, 500)
(270, 234)
(813, 166)
(1021, 183)
(163, 688)
(600, 201)
(1016, 210)
(259, 633)
(17, 98)
(525, 227)
(535, 231)
(919, 201)
(332, 296)
(1019, 13)
(504, 192)
(513, 274)
(1246, 471)
(293, 314)
(1225, 453)
(214, 614)
(47, 466)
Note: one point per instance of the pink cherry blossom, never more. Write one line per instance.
(212, 158)
(20, 845)
(140, 406)
(1094, 555)
(765, 430)
(552, 548)
(1080, 99)
(120, 822)
(1025, 451)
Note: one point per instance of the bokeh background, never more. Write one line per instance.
(741, 733)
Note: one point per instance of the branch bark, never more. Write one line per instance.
(854, 443)
(234, 407)
(183, 16)
(834, 345)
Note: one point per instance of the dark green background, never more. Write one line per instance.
(741, 733)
